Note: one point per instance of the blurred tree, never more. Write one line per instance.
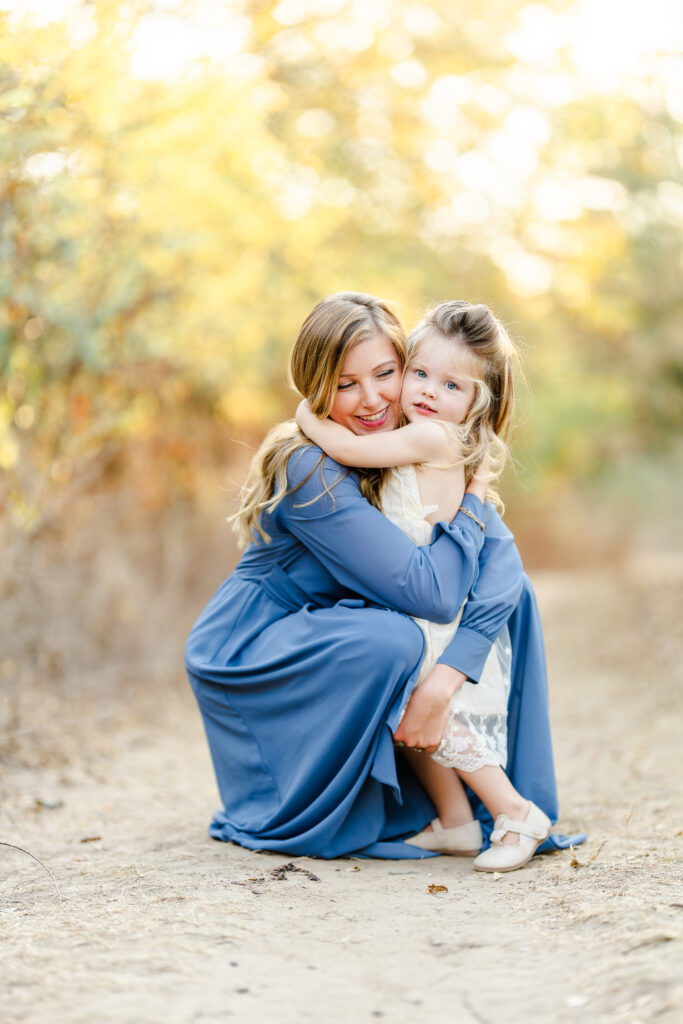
(181, 182)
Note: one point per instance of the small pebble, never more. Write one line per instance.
(576, 1001)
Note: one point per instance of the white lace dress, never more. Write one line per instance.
(476, 733)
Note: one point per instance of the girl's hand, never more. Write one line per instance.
(424, 723)
(479, 484)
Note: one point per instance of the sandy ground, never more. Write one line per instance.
(159, 923)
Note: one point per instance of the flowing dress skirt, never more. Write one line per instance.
(299, 706)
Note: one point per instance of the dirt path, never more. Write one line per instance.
(159, 923)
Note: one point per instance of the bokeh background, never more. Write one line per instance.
(180, 183)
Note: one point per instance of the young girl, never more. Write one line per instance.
(457, 400)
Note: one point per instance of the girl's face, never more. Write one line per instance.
(369, 390)
(438, 381)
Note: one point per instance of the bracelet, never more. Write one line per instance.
(476, 519)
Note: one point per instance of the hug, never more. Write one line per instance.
(371, 676)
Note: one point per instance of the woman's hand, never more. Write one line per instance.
(424, 723)
(479, 484)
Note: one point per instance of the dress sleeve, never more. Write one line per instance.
(366, 553)
(492, 600)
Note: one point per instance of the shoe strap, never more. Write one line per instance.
(437, 826)
(523, 828)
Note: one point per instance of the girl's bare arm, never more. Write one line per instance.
(416, 442)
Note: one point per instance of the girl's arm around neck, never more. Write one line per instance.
(414, 443)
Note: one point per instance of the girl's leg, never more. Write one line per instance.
(444, 787)
(520, 826)
(476, 764)
(498, 795)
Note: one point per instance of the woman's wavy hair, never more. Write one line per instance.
(332, 328)
(487, 425)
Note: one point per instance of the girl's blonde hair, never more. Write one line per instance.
(487, 425)
(332, 328)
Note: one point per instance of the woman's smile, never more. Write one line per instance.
(374, 420)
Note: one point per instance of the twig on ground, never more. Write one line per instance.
(470, 1009)
(576, 863)
(44, 866)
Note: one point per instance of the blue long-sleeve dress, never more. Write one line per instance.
(304, 657)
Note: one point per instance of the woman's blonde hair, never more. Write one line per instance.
(487, 425)
(332, 328)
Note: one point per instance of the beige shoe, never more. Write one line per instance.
(459, 841)
(532, 831)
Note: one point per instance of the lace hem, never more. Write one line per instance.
(472, 741)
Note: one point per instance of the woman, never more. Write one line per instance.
(303, 659)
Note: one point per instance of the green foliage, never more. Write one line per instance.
(163, 237)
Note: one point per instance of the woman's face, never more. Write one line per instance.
(369, 390)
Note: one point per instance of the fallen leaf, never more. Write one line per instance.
(432, 889)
